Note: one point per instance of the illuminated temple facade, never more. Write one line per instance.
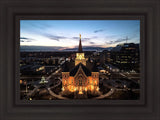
(79, 79)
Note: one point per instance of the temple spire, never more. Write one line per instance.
(80, 45)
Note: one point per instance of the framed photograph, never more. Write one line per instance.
(56, 65)
(79, 60)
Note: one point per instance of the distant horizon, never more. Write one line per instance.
(61, 49)
(65, 33)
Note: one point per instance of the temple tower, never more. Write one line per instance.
(80, 58)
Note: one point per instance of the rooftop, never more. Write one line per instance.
(75, 69)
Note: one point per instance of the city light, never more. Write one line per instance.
(20, 81)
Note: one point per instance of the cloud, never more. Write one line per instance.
(84, 39)
(75, 38)
(118, 40)
(54, 37)
(92, 42)
(25, 39)
(100, 30)
(109, 42)
(22, 41)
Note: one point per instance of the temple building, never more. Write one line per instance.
(80, 77)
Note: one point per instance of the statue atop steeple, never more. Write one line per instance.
(80, 45)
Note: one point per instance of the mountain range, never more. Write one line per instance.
(55, 48)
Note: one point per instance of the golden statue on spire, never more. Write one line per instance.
(80, 36)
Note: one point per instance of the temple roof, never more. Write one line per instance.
(75, 69)
(69, 66)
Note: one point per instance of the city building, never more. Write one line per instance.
(80, 80)
(125, 57)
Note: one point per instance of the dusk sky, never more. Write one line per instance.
(65, 33)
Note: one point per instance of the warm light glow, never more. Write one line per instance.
(41, 68)
(75, 88)
(80, 90)
(97, 89)
(95, 82)
(92, 87)
(20, 81)
(80, 59)
(72, 89)
(65, 81)
(80, 56)
(62, 88)
(85, 89)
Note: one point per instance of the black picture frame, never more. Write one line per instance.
(148, 107)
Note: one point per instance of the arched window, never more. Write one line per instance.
(88, 81)
(72, 81)
(80, 80)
